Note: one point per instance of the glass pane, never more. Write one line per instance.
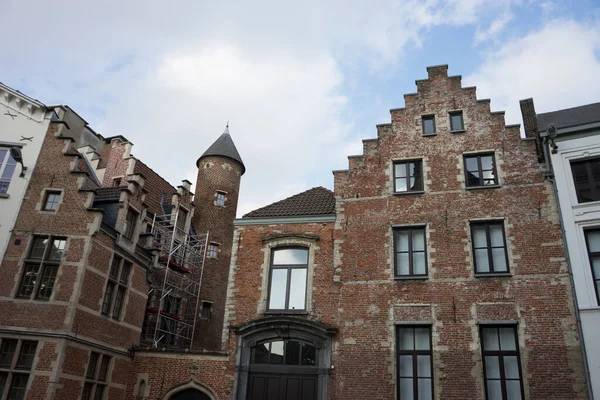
(488, 177)
(511, 367)
(402, 241)
(29, 279)
(499, 259)
(482, 261)
(418, 240)
(471, 163)
(57, 249)
(7, 352)
(92, 364)
(26, 355)
(492, 367)
(118, 303)
(507, 339)
(3, 377)
(402, 266)
(309, 354)
(292, 352)
(114, 267)
(298, 289)
(497, 235)
(579, 170)
(596, 267)
(48, 279)
(494, 390)
(278, 287)
(8, 171)
(513, 390)
(419, 263)
(424, 366)
(87, 390)
(39, 245)
(401, 185)
(276, 352)
(490, 339)
(425, 389)
(456, 122)
(405, 339)
(487, 162)
(261, 354)
(290, 257)
(103, 368)
(125, 272)
(107, 298)
(479, 238)
(428, 126)
(473, 178)
(593, 239)
(18, 387)
(400, 170)
(99, 392)
(405, 366)
(406, 389)
(422, 338)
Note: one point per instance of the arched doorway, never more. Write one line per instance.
(190, 394)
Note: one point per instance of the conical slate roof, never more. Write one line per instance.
(223, 147)
(315, 201)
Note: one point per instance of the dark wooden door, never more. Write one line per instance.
(264, 386)
(189, 394)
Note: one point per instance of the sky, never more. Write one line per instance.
(301, 83)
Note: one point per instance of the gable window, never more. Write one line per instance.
(220, 199)
(456, 121)
(16, 360)
(51, 200)
(96, 377)
(130, 221)
(287, 288)
(41, 267)
(592, 238)
(501, 363)
(7, 168)
(408, 176)
(489, 247)
(586, 176)
(480, 170)
(409, 249)
(213, 250)
(116, 287)
(414, 362)
(428, 122)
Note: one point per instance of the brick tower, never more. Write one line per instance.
(220, 169)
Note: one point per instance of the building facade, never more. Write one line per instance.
(571, 142)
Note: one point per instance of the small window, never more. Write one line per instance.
(428, 125)
(51, 200)
(97, 377)
(592, 238)
(414, 363)
(116, 287)
(130, 221)
(206, 310)
(456, 121)
(489, 247)
(213, 250)
(7, 168)
(41, 267)
(408, 176)
(220, 199)
(409, 249)
(16, 360)
(501, 363)
(287, 289)
(116, 182)
(480, 170)
(586, 176)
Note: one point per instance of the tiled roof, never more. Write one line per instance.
(224, 147)
(316, 201)
(108, 194)
(570, 116)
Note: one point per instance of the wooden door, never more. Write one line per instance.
(264, 386)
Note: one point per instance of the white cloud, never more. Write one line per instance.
(494, 29)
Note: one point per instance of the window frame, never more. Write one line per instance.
(289, 268)
(130, 223)
(15, 369)
(213, 250)
(489, 247)
(591, 257)
(113, 300)
(4, 163)
(480, 170)
(414, 353)
(594, 186)
(462, 120)
(220, 198)
(500, 354)
(46, 269)
(428, 117)
(411, 275)
(417, 162)
(56, 203)
(95, 380)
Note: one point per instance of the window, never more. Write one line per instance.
(456, 121)
(409, 249)
(96, 377)
(51, 201)
(220, 199)
(408, 176)
(116, 182)
(415, 365)
(287, 290)
(480, 170)
(501, 364)
(592, 238)
(206, 310)
(489, 247)
(130, 221)
(41, 267)
(284, 352)
(16, 360)
(7, 167)
(428, 124)
(586, 175)
(213, 250)
(116, 287)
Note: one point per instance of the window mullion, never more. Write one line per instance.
(287, 288)
(488, 237)
(480, 170)
(410, 257)
(113, 297)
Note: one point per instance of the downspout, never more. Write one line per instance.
(550, 177)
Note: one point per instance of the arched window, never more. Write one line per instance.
(284, 352)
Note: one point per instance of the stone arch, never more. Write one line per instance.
(191, 390)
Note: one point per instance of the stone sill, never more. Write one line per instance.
(495, 275)
(4, 196)
(408, 193)
(429, 134)
(286, 312)
(411, 278)
(459, 131)
(482, 187)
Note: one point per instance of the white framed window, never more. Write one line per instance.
(220, 199)
(287, 284)
(7, 168)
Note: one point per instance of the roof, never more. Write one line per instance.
(570, 116)
(108, 194)
(224, 147)
(315, 201)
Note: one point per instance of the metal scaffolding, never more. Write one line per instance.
(174, 294)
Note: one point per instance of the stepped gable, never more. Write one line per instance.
(315, 201)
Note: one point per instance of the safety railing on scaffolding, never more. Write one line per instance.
(174, 294)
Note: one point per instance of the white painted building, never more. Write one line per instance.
(23, 124)
(573, 146)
